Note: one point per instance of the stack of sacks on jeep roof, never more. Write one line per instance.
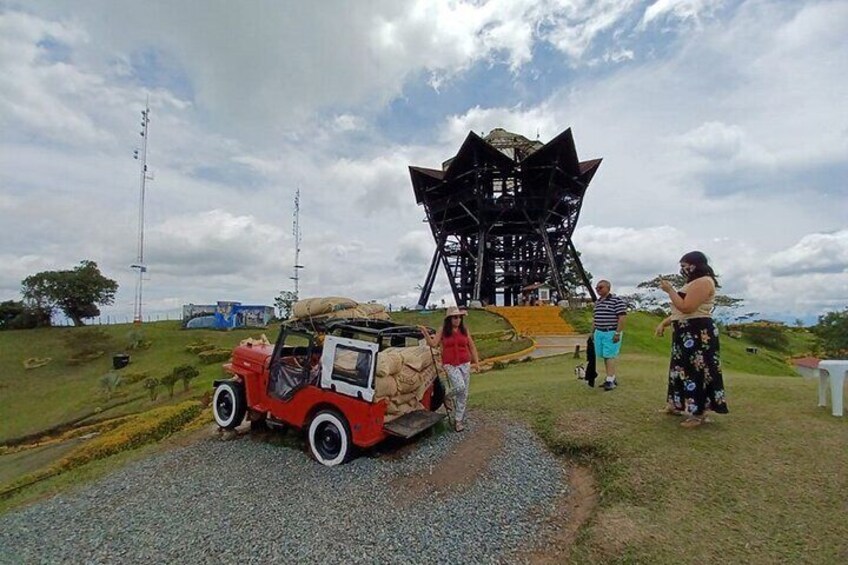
(337, 307)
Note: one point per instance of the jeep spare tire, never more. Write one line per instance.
(228, 404)
(329, 438)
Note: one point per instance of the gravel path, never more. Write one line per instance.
(249, 501)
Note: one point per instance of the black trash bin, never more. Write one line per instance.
(120, 360)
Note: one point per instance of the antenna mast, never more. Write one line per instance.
(297, 237)
(145, 121)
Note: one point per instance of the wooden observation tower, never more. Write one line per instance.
(502, 212)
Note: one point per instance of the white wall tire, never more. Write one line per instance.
(228, 405)
(329, 438)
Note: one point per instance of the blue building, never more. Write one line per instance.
(226, 315)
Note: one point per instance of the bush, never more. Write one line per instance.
(832, 329)
(110, 383)
(199, 347)
(132, 378)
(152, 386)
(772, 337)
(135, 340)
(214, 356)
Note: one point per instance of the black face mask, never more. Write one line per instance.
(684, 272)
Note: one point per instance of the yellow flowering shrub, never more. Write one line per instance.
(148, 427)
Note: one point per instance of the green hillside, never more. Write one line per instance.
(639, 338)
(38, 399)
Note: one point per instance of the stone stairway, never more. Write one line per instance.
(535, 320)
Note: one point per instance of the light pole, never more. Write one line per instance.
(297, 235)
(139, 264)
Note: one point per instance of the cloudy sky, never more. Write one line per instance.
(723, 126)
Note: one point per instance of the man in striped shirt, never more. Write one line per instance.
(607, 329)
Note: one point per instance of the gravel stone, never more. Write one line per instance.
(252, 502)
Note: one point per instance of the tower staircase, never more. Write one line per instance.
(535, 320)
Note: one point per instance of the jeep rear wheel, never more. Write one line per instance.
(228, 405)
(437, 398)
(329, 438)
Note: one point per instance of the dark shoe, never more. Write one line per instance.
(609, 385)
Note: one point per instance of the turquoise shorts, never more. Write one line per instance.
(604, 346)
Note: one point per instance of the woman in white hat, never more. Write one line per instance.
(458, 352)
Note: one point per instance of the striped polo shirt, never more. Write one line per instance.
(607, 311)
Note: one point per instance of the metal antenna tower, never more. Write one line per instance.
(144, 177)
(297, 238)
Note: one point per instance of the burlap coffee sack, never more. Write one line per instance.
(408, 380)
(385, 387)
(417, 357)
(319, 306)
(372, 308)
(389, 363)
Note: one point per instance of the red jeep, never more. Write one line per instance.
(301, 382)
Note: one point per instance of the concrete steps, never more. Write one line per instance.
(535, 320)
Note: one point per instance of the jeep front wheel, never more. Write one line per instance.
(329, 438)
(228, 405)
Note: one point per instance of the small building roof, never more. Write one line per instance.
(808, 362)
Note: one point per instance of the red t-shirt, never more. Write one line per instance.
(455, 349)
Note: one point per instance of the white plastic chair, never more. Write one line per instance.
(835, 370)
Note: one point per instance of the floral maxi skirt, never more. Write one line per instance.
(695, 383)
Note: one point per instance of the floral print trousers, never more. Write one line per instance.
(695, 383)
(457, 391)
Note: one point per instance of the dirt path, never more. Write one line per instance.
(573, 512)
(462, 467)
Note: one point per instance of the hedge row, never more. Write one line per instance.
(199, 347)
(146, 428)
(214, 356)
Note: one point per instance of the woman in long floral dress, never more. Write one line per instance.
(695, 382)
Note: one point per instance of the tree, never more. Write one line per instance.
(724, 304)
(168, 381)
(832, 328)
(569, 276)
(16, 315)
(284, 303)
(77, 293)
(185, 373)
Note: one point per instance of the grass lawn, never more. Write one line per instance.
(766, 483)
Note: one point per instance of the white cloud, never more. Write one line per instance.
(577, 24)
(623, 255)
(680, 9)
(814, 253)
